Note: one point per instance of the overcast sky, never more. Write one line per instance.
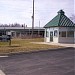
(20, 11)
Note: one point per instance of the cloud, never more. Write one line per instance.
(17, 10)
(21, 10)
(49, 9)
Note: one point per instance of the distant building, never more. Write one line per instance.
(60, 29)
(22, 32)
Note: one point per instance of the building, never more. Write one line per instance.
(60, 29)
(22, 32)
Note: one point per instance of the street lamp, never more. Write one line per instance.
(33, 20)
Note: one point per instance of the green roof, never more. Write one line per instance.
(60, 21)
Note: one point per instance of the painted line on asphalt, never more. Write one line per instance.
(3, 56)
(1, 72)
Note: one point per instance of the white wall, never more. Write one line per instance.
(55, 39)
(60, 39)
(66, 40)
(66, 28)
(47, 39)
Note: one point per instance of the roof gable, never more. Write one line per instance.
(60, 21)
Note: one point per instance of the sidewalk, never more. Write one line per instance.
(59, 44)
(1, 72)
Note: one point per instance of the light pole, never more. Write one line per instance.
(33, 20)
(39, 29)
(4, 31)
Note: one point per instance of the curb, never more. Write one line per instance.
(36, 51)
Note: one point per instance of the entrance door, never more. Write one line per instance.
(51, 36)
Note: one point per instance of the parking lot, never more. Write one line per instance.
(51, 62)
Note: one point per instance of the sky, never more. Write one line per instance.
(20, 11)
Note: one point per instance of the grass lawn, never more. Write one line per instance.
(24, 45)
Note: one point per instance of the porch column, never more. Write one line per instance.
(49, 34)
(74, 36)
(15, 34)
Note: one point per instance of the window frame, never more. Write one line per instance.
(47, 33)
(62, 33)
(55, 33)
(70, 33)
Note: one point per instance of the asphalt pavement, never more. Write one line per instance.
(50, 62)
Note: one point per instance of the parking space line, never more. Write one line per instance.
(3, 56)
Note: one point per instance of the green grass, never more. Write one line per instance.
(24, 45)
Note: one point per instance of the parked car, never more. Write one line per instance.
(5, 38)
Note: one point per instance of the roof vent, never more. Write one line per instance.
(61, 12)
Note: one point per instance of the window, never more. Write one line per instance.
(55, 33)
(47, 34)
(70, 34)
(62, 34)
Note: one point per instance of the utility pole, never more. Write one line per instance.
(39, 29)
(24, 30)
(33, 20)
(24, 26)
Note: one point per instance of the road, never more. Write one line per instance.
(56, 62)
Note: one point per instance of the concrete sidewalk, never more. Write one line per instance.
(59, 44)
(1, 72)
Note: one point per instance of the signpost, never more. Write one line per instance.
(9, 34)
